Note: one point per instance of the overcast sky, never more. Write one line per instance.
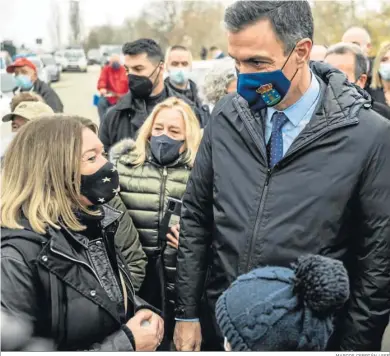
(27, 20)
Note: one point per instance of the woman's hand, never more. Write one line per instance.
(148, 330)
(173, 238)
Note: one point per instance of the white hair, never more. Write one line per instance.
(217, 80)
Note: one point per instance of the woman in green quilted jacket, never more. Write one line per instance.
(151, 169)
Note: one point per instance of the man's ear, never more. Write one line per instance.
(303, 49)
(362, 81)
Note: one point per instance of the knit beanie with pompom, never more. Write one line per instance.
(282, 309)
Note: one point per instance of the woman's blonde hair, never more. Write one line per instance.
(41, 175)
(376, 79)
(192, 135)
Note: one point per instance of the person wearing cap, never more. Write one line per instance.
(284, 309)
(27, 79)
(26, 111)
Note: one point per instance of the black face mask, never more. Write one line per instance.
(165, 149)
(140, 86)
(100, 187)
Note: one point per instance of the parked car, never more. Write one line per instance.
(43, 72)
(8, 86)
(60, 60)
(52, 67)
(5, 61)
(75, 59)
(94, 56)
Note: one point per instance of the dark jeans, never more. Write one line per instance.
(103, 106)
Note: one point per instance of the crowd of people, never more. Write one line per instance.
(251, 213)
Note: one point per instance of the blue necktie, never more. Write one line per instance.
(276, 141)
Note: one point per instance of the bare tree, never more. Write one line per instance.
(54, 24)
(75, 21)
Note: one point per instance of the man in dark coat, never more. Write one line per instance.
(349, 59)
(361, 37)
(296, 163)
(144, 61)
(27, 79)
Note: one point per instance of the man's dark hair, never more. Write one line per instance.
(144, 45)
(360, 58)
(291, 20)
(179, 47)
(213, 48)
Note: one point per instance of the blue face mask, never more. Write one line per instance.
(115, 65)
(24, 82)
(264, 89)
(179, 76)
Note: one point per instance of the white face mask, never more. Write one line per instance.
(384, 71)
(179, 75)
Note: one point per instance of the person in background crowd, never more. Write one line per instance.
(59, 267)
(216, 53)
(178, 63)
(27, 79)
(16, 100)
(263, 190)
(219, 81)
(126, 237)
(24, 96)
(361, 37)
(349, 59)
(153, 168)
(144, 61)
(284, 309)
(318, 53)
(380, 86)
(112, 84)
(26, 111)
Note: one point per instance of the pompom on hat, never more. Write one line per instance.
(283, 309)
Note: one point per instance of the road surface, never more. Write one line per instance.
(76, 91)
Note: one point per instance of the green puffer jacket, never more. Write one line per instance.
(145, 191)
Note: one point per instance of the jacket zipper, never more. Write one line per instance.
(258, 218)
(285, 159)
(77, 261)
(162, 198)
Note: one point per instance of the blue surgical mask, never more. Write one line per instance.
(384, 71)
(24, 82)
(179, 76)
(264, 89)
(115, 65)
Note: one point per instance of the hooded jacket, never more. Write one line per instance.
(144, 191)
(125, 118)
(68, 285)
(329, 195)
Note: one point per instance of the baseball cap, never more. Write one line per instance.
(29, 110)
(20, 62)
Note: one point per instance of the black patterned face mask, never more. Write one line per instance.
(100, 187)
